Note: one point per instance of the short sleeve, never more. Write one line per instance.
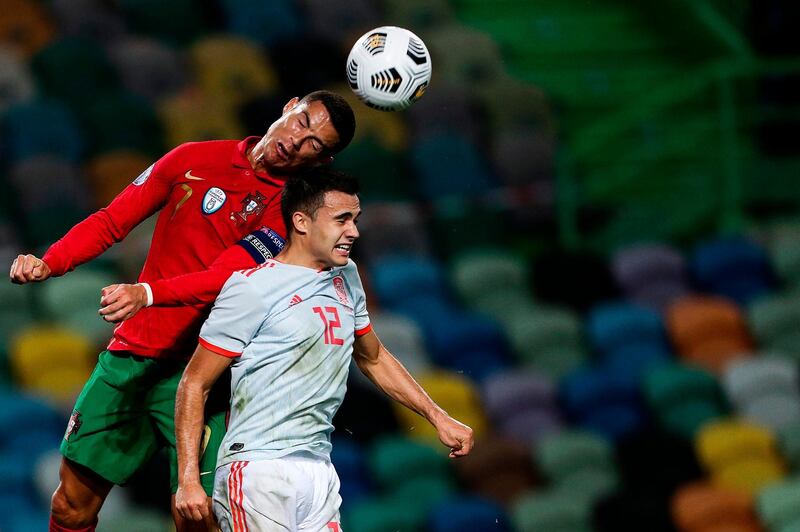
(362, 323)
(235, 318)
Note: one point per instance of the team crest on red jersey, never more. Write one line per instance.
(341, 293)
(252, 204)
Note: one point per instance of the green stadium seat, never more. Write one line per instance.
(487, 273)
(73, 301)
(464, 56)
(122, 120)
(383, 173)
(548, 510)
(418, 496)
(394, 459)
(773, 320)
(379, 514)
(779, 505)
(573, 453)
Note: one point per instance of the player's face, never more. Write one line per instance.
(333, 230)
(303, 136)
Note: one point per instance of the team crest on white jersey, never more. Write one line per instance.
(213, 200)
(341, 293)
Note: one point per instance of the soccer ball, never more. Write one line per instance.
(389, 68)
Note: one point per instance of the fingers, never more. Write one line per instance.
(193, 510)
(106, 292)
(27, 268)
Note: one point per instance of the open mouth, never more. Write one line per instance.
(343, 248)
(282, 151)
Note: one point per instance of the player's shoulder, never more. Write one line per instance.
(350, 271)
(206, 147)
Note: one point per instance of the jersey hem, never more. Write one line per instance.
(364, 330)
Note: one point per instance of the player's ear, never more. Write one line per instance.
(290, 104)
(300, 222)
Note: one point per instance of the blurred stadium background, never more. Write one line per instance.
(584, 241)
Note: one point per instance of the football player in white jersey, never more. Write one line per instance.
(287, 330)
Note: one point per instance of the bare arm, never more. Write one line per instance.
(201, 373)
(383, 369)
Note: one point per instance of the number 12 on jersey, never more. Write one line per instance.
(330, 318)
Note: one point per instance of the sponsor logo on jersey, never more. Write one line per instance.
(214, 200)
(74, 424)
(236, 447)
(139, 181)
(341, 293)
(252, 204)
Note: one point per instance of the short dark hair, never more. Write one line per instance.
(342, 117)
(305, 192)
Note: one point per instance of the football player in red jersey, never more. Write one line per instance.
(219, 211)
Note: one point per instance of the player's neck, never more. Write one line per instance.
(296, 254)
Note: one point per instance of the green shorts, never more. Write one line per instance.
(126, 412)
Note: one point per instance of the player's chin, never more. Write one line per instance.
(339, 258)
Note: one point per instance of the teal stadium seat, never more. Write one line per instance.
(16, 84)
(548, 510)
(773, 320)
(41, 126)
(264, 22)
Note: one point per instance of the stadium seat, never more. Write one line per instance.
(177, 22)
(707, 331)
(419, 496)
(73, 301)
(41, 352)
(396, 278)
(546, 339)
(52, 196)
(41, 126)
(703, 507)
(149, 68)
(16, 84)
(265, 23)
(25, 26)
(67, 66)
(735, 268)
(194, 117)
(773, 320)
(341, 22)
(748, 380)
(393, 460)
(468, 514)
(88, 19)
(784, 250)
(31, 416)
(383, 175)
(378, 514)
(498, 469)
(122, 120)
(464, 56)
(109, 173)
(562, 455)
(348, 457)
(789, 444)
(477, 275)
(547, 510)
(779, 505)
(447, 165)
(524, 157)
(231, 70)
(507, 393)
(392, 228)
(514, 106)
(682, 398)
(739, 454)
(366, 412)
(614, 327)
(455, 394)
(650, 274)
(449, 108)
(404, 339)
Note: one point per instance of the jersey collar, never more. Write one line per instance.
(240, 160)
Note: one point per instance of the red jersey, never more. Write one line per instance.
(209, 197)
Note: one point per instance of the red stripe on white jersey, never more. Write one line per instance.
(236, 497)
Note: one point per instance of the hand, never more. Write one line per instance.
(121, 302)
(455, 435)
(28, 268)
(191, 502)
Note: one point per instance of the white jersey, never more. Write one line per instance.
(291, 330)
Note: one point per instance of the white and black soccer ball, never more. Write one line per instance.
(389, 68)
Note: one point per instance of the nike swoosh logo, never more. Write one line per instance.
(188, 175)
(206, 473)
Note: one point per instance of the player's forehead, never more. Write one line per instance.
(336, 202)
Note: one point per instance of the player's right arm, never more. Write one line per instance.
(91, 237)
(201, 373)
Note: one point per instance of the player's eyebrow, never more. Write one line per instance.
(347, 214)
(308, 121)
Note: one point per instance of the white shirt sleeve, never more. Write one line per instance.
(235, 318)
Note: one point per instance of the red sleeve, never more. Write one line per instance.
(91, 237)
(200, 288)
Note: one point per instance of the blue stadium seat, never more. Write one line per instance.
(41, 127)
(615, 326)
(449, 165)
(401, 277)
(263, 22)
(732, 267)
(468, 514)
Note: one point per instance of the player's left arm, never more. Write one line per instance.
(200, 374)
(388, 374)
(120, 302)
